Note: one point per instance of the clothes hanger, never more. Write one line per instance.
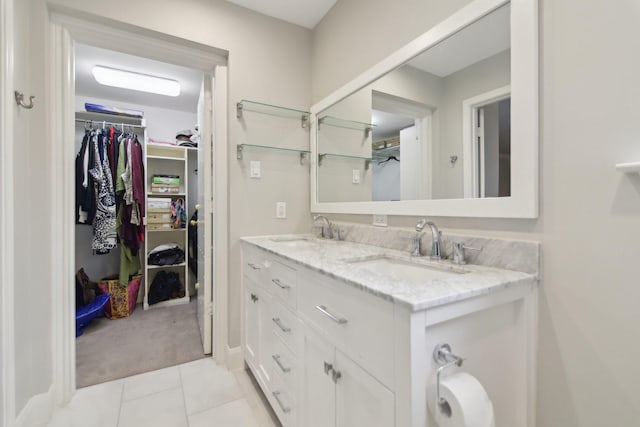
(389, 158)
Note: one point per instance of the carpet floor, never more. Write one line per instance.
(145, 341)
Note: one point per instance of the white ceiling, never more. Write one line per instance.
(306, 13)
(88, 56)
(480, 40)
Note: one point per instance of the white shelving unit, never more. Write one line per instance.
(166, 160)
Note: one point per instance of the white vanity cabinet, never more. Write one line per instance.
(329, 353)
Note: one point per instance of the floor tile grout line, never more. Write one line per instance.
(121, 401)
(184, 398)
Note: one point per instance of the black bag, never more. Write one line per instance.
(167, 257)
(165, 285)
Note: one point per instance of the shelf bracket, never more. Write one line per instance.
(366, 164)
(239, 149)
(239, 108)
(367, 131)
(304, 120)
(303, 155)
(320, 157)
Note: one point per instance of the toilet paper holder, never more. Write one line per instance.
(445, 358)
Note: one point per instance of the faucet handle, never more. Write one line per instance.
(458, 252)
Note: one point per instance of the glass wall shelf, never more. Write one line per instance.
(275, 110)
(348, 124)
(241, 148)
(321, 157)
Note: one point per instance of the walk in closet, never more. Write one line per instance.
(137, 228)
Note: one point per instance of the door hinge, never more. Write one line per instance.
(209, 309)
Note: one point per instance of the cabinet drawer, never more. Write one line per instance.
(283, 402)
(357, 322)
(283, 283)
(285, 325)
(285, 365)
(253, 264)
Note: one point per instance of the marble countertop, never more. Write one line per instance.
(339, 259)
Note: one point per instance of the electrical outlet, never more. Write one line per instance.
(356, 176)
(281, 210)
(380, 220)
(255, 169)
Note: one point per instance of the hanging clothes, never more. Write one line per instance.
(104, 223)
(110, 194)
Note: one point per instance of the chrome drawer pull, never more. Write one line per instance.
(280, 285)
(277, 321)
(253, 266)
(285, 409)
(339, 320)
(276, 357)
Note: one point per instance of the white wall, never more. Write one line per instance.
(589, 222)
(33, 237)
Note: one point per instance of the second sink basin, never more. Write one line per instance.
(404, 269)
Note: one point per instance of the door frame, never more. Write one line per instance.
(7, 236)
(65, 28)
(470, 151)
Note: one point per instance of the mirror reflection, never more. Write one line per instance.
(437, 127)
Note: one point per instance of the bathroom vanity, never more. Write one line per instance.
(341, 333)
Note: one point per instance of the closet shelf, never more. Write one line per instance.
(241, 147)
(323, 156)
(166, 194)
(112, 119)
(168, 230)
(165, 158)
(347, 124)
(168, 303)
(274, 110)
(633, 167)
(156, 267)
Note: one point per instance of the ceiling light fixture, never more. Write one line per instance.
(135, 81)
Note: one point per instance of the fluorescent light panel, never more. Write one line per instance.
(135, 81)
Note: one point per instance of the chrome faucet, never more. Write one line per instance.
(329, 234)
(436, 253)
(435, 241)
(415, 251)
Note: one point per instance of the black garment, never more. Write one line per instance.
(167, 257)
(193, 243)
(165, 285)
(85, 197)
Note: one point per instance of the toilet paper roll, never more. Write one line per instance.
(467, 400)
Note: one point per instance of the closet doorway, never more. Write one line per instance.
(197, 118)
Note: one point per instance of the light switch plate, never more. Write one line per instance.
(380, 220)
(255, 169)
(356, 176)
(281, 210)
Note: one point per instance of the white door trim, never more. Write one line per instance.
(65, 30)
(7, 108)
(469, 147)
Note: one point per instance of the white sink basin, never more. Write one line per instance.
(294, 242)
(405, 270)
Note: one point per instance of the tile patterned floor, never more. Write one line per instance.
(195, 394)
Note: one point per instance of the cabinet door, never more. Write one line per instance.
(318, 387)
(251, 324)
(361, 400)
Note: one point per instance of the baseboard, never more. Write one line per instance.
(235, 358)
(37, 411)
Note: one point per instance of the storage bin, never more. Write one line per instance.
(123, 300)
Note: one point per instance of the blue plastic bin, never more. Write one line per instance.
(88, 312)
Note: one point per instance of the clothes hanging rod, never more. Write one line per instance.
(114, 124)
